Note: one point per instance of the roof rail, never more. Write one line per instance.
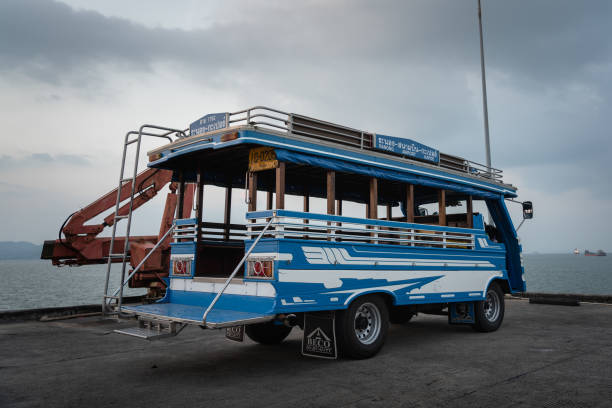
(274, 119)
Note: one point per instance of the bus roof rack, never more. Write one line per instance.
(264, 117)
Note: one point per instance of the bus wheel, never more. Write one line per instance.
(490, 312)
(362, 328)
(400, 315)
(267, 333)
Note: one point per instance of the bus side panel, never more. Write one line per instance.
(324, 275)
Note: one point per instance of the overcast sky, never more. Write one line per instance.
(76, 75)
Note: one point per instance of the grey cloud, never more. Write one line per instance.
(545, 41)
(395, 67)
(42, 159)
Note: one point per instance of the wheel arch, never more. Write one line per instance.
(388, 296)
(503, 284)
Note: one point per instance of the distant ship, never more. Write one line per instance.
(598, 253)
(576, 251)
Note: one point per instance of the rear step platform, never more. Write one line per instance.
(181, 313)
(153, 329)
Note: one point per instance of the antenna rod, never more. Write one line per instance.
(484, 93)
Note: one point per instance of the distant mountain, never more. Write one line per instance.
(19, 250)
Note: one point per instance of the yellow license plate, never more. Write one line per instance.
(262, 158)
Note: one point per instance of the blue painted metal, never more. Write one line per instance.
(185, 221)
(406, 147)
(503, 222)
(208, 123)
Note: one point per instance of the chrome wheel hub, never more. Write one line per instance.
(367, 323)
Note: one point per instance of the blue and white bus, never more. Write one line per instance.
(417, 246)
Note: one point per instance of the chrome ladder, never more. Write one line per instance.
(111, 304)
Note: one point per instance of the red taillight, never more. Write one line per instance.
(181, 267)
(260, 268)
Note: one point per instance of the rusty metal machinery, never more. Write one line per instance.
(81, 244)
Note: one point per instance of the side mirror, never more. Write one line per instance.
(527, 210)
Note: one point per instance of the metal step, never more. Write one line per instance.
(120, 217)
(153, 329)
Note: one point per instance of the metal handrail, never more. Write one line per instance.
(336, 228)
(161, 240)
(227, 282)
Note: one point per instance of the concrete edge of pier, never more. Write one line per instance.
(58, 313)
(68, 312)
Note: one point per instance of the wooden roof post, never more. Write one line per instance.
(373, 205)
(373, 198)
(280, 186)
(252, 191)
(228, 211)
(470, 212)
(442, 207)
(331, 191)
(199, 205)
(410, 203)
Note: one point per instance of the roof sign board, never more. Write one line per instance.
(208, 123)
(406, 147)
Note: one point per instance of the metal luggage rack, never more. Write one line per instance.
(274, 119)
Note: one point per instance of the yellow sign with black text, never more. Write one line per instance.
(262, 158)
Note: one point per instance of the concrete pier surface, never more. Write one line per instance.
(543, 356)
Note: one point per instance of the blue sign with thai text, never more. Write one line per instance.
(208, 123)
(406, 147)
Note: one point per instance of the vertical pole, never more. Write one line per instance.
(469, 212)
(269, 199)
(338, 207)
(280, 186)
(388, 212)
(409, 202)
(252, 191)
(442, 207)
(485, 109)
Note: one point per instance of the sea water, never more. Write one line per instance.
(26, 284)
(29, 284)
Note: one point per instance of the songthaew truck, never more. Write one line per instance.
(419, 245)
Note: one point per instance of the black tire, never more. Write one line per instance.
(267, 333)
(369, 316)
(400, 315)
(490, 312)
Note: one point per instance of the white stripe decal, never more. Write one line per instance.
(329, 256)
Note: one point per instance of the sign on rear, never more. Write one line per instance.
(262, 158)
(406, 147)
(208, 123)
